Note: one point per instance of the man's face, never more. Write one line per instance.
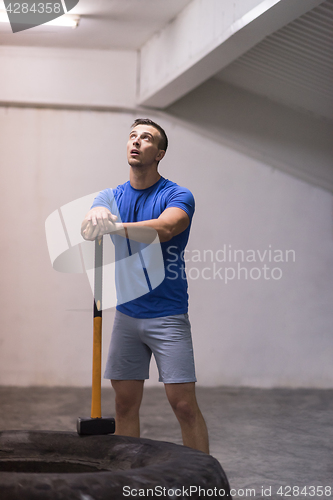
(143, 146)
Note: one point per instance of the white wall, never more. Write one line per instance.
(246, 332)
(49, 158)
(237, 152)
(259, 332)
(68, 77)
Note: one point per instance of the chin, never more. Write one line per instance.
(134, 163)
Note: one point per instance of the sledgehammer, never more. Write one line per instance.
(96, 424)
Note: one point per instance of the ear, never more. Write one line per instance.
(160, 155)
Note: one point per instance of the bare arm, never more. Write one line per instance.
(99, 221)
(171, 222)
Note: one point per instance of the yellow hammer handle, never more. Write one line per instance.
(96, 409)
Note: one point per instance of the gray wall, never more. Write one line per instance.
(257, 331)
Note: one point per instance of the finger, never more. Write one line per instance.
(84, 226)
(93, 232)
(105, 221)
(97, 230)
(103, 226)
(101, 217)
(87, 232)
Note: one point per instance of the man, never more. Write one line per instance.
(156, 322)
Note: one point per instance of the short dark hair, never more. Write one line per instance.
(163, 144)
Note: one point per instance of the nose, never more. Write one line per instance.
(136, 141)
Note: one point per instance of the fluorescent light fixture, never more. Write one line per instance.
(67, 20)
(3, 17)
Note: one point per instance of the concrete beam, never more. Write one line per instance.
(291, 141)
(67, 77)
(203, 39)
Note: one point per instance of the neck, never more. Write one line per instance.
(141, 178)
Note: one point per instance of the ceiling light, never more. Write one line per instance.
(3, 17)
(67, 20)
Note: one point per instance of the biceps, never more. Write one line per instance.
(175, 219)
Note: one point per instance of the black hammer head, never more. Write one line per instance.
(95, 426)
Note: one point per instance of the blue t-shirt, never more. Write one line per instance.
(134, 205)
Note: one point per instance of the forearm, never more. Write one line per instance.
(100, 221)
(171, 222)
(163, 230)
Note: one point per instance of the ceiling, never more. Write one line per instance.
(104, 25)
(293, 66)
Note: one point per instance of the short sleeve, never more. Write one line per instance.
(181, 197)
(108, 199)
(104, 199)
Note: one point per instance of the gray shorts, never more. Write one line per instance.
(134, 340)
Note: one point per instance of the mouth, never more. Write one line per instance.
(135, 152)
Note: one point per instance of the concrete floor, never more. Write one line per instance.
(262, 438)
